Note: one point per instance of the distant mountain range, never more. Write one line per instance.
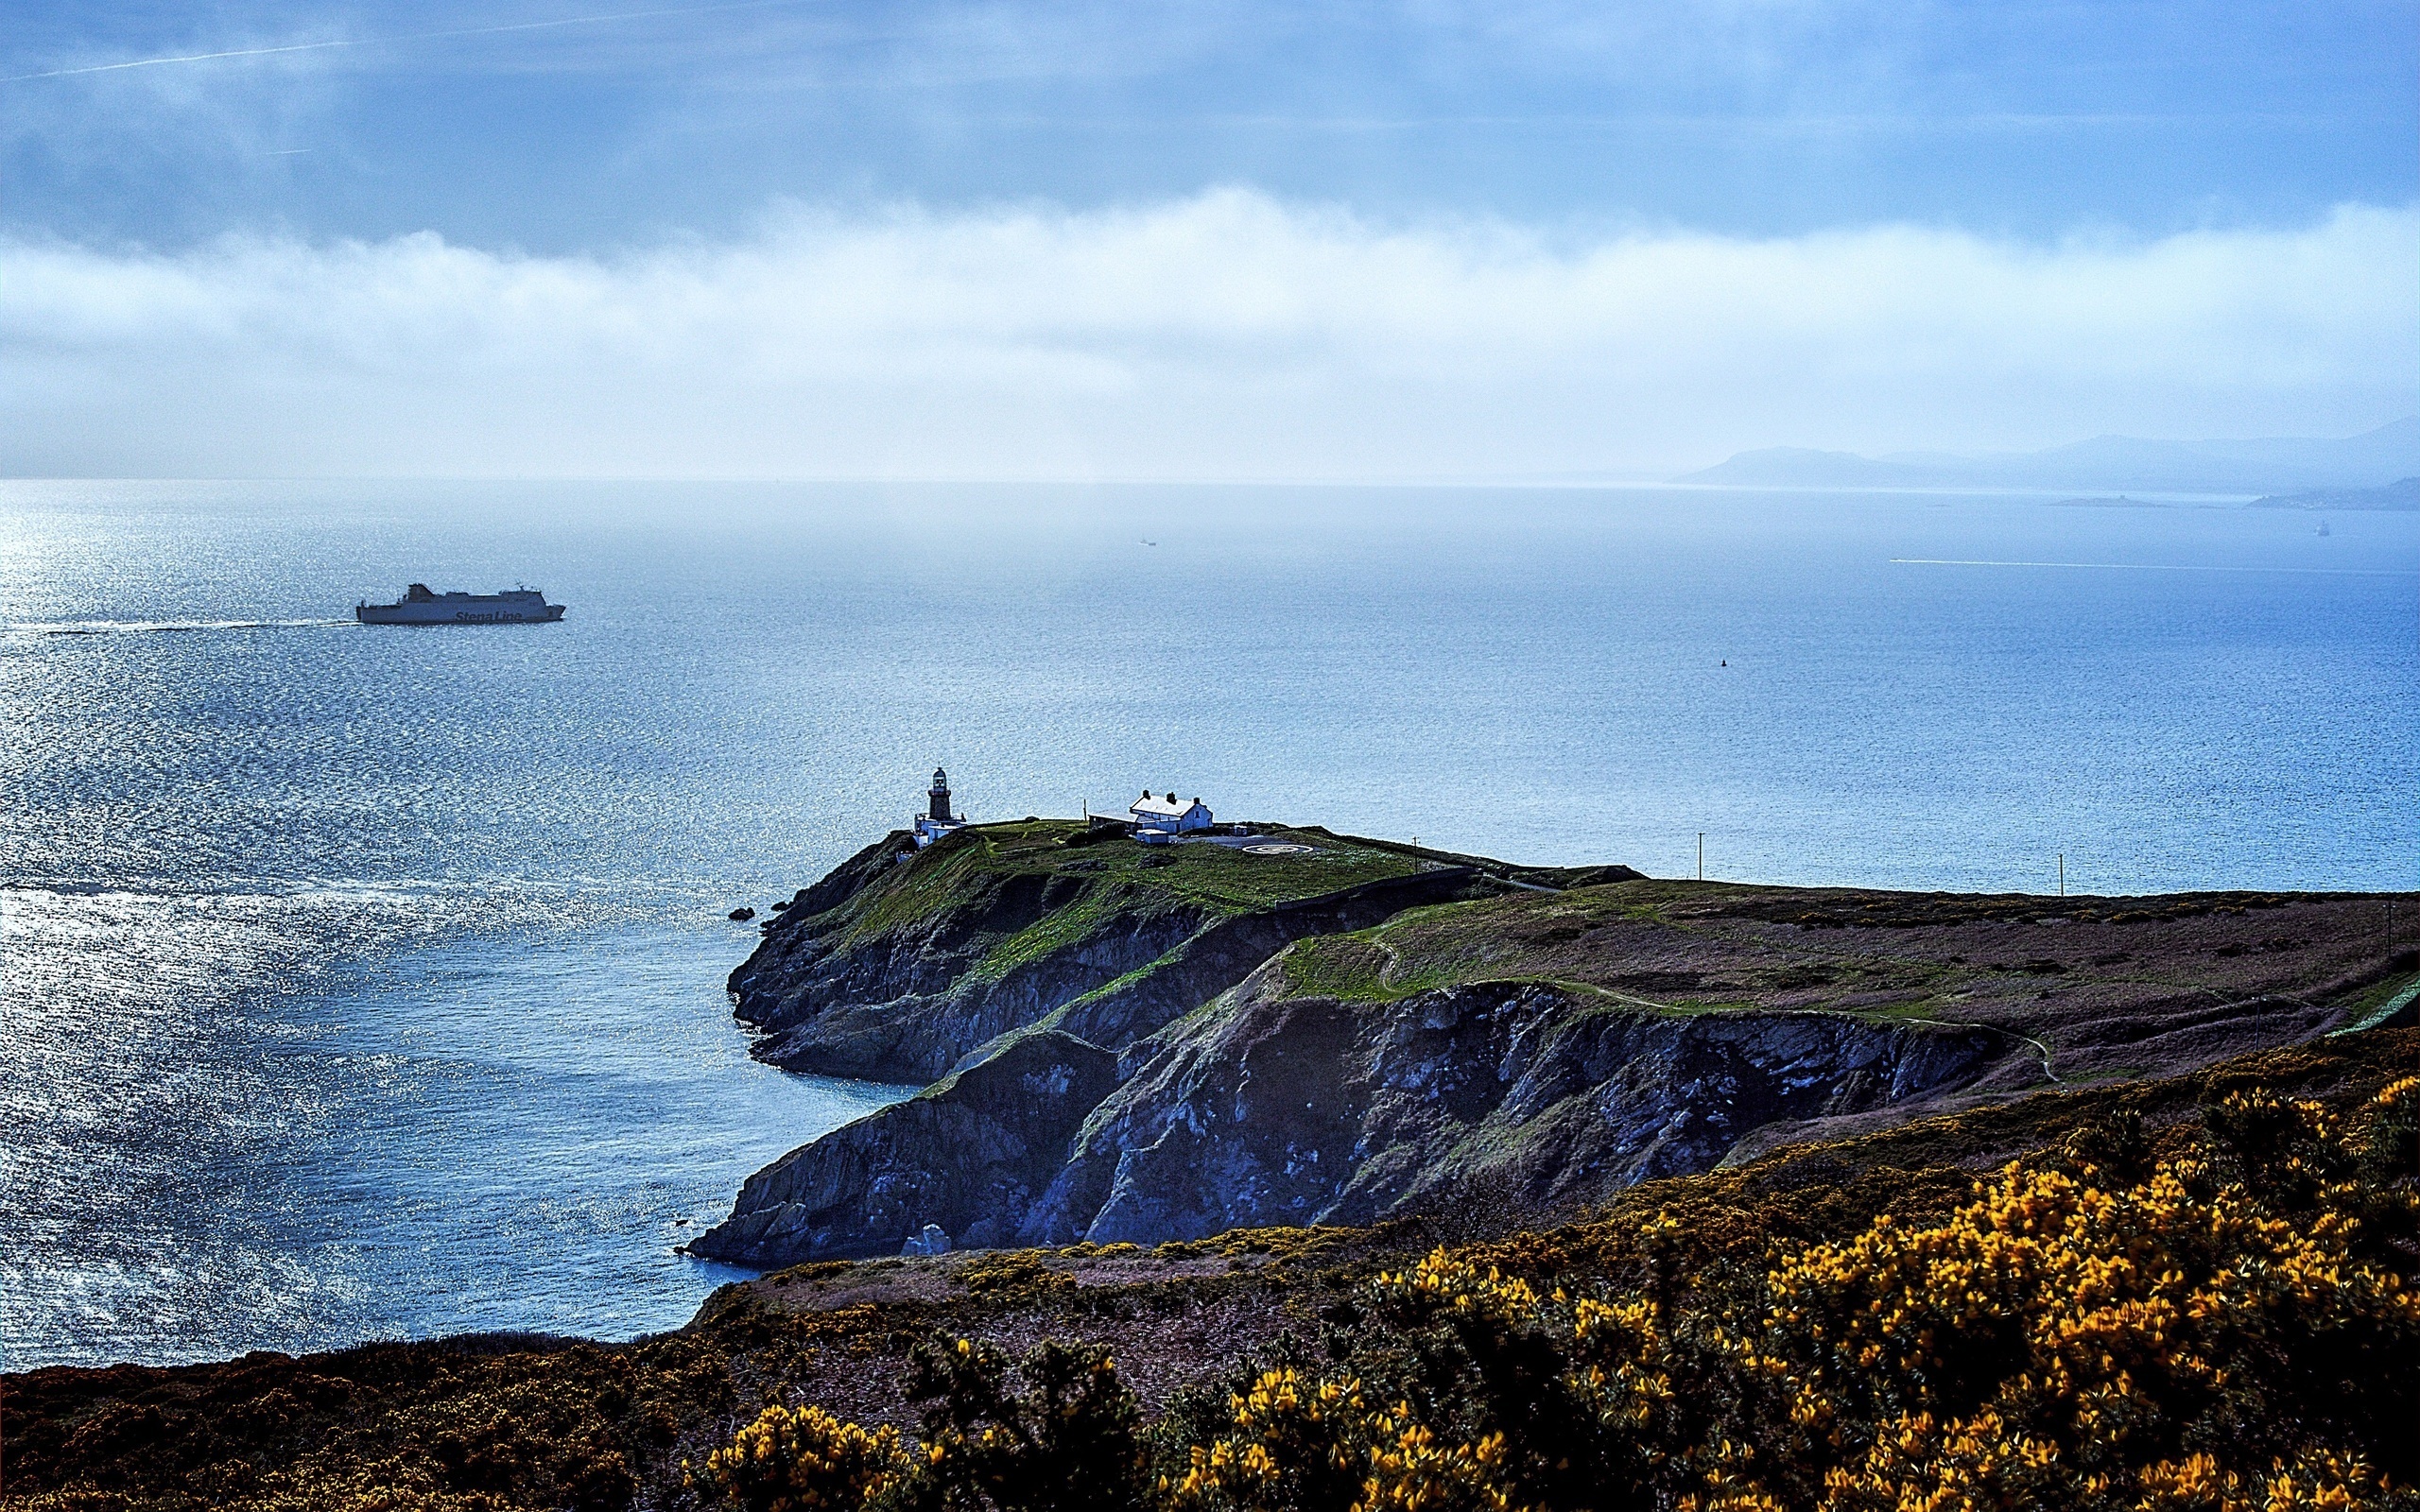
(2270, 465)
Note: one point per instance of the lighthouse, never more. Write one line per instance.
(937, 821)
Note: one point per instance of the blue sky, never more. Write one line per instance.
(1524, 143)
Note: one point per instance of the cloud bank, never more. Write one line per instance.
(1225, 335)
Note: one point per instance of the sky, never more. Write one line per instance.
(1197, 240)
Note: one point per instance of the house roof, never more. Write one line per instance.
(1158, 807)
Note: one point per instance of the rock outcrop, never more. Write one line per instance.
(902, 994)
(1274, 1109)
(902, 964)
(968, 1155)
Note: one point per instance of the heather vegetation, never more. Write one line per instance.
(1695, 947)
(2233, 1325)
(2191, 1294)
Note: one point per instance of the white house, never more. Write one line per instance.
(1167, 815)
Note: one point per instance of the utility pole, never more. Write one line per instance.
(2063, 874)
(1701, 856)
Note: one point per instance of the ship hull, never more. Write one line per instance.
(463, 609)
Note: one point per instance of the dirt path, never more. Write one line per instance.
(2039, 1048)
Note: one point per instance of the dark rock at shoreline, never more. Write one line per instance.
(968, 1153)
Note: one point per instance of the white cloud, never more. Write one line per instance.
(1222, 335)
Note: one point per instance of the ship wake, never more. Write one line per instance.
(166, 626)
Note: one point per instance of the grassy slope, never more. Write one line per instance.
(511, 1423)
(1105, 876)
(2065, 969)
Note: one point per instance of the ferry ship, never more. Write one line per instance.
(520, 606)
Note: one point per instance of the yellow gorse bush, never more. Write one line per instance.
(2226, 1332)
(1386, 1460)
(2055, 1343)
(1294, 1442)
(801, 1460)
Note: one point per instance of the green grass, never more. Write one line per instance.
(1340, 966)
(2102, 1074)
(1060, 929)
(1113, 985)
(1113, 878)
(1417, 951)
(2378, 1003)
(1504, 938)
(1232, 881)
(1357, 969)
(1591, 940)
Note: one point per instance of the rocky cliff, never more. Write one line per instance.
(902, 962)
(1004, 1125)
(1151, 1043)
(1280, 1108)
(909, 991)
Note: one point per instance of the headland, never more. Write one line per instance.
(1265, 1024)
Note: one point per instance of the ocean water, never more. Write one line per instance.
(367, 983)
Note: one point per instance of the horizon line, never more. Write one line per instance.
(1538, 482)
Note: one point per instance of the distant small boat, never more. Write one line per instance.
(520, 606)
(2323, 527)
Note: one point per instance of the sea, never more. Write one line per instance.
(366, 983)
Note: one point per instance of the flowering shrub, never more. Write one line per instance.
(801, 1460)
(1496, 1397)
(2232, 1329)
(2055, 1343)
(1299, 1445)
(1067, 1442)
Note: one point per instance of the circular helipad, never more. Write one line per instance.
(1277, 849)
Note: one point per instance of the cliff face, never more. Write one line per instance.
(1153, 1043)
(879, 970)
(1277, 1108)
(1273, 1108)
(969, 1154)
(887, 979)
(902, 963)
(908, 1006)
